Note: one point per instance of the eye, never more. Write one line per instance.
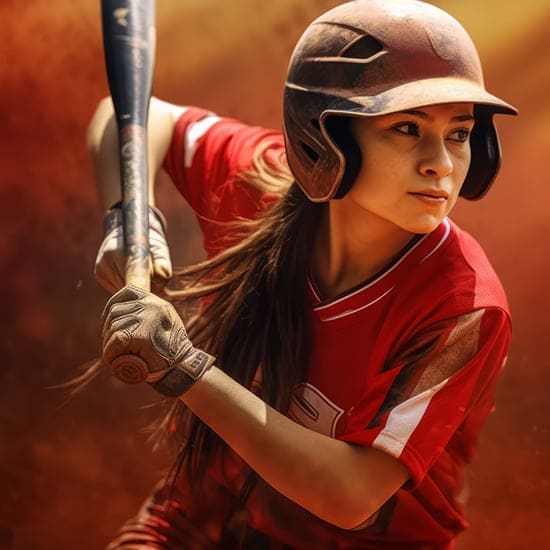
(460, 135)
(407, 128)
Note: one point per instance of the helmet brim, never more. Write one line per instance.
(412, 95)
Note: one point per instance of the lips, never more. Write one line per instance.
(431, 194)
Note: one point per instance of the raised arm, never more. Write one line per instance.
(102, 140)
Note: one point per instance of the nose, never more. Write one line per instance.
(435, 160)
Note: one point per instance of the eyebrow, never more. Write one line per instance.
(426, 116)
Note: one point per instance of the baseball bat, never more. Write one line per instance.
(129, 47)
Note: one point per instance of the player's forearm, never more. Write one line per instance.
(102, 140)
(338, 482)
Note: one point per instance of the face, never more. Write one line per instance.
(413, 164)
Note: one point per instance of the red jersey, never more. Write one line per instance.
(406, 362)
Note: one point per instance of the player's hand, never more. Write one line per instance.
(138, 323)
(110, 260)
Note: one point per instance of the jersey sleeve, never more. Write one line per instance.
(442, 388)
(206, 159)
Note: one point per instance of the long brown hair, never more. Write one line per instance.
(255, 313)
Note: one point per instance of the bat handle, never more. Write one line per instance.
(130, 369)
(138, 277)
(135, 206)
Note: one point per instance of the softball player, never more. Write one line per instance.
(329, 389)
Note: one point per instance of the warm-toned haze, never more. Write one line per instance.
(71, 472)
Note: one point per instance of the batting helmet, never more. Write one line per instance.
(375, 57)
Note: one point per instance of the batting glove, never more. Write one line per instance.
(139, 325)
(110, 260)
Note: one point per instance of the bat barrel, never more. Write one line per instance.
(129, 45)
(129, 48)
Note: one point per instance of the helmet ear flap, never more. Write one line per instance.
(339, 130)
(485, 161)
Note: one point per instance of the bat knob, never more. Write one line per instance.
(130, 369)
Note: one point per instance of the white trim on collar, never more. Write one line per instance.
(320, 308)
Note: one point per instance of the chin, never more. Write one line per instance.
(425, 225)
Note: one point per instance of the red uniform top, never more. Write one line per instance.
(405, 363)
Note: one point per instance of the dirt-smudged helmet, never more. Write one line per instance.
(375, 57)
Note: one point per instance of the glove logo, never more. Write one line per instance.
(197, 364)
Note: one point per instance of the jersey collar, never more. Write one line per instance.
(381, 286)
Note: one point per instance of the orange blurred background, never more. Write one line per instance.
(71, 472)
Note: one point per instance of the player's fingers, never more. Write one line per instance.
(160, 256)
(126, 325)
(118, 343)
(162, 268)
(119, 314)
(130, 295)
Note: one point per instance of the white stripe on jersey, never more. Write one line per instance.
(352, 311)
(194, 133)
(445, 223)
(403, 420)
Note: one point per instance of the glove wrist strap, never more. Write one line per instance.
(185, 374)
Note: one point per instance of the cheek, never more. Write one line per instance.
(464, 162)
(461, 165)
(451, 202)
(379, 169)
(371, 183)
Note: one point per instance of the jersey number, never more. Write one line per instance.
(315, 411)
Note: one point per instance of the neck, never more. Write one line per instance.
(350, 249)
